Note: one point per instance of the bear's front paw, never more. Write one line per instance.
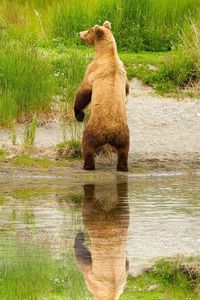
(79, 115)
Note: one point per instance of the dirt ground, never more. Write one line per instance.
(162, 127)
(164, 131)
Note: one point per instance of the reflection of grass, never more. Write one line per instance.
(27, 193)
(3, 153)
(2, 200)
(71, 197)
(34, 192)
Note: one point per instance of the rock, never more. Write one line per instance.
(153, 287)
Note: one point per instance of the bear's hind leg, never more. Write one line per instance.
(122, 158)
(88, 154)
(121, 144)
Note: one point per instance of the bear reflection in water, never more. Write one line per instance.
(103, 263)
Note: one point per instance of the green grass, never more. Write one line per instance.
(28, 193)
(28, 271)
(171, 284)
(3, 200)
(151, 25)
(69, 149)
(28, 161)
(69, 65)
(167, 72)
(181, 67)
(29, 134)
(8, 109)
(140, 64)
(25, 271)
(25, 160)
(41, 56)
(72, 197)
(3, 153)
(25, 81)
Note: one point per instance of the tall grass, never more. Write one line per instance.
(69, 68)
(182, 68)
(27, 18)
(138, 24)
(152, 25)
(26, 74)
(25, 81)
(190, 38)
(8, 109)
(30, 134)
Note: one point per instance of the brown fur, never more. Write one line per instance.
(106, 81)
(104, 265)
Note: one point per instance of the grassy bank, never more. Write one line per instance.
(167, 280)
(28, 271)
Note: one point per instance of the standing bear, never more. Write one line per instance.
(105, 85)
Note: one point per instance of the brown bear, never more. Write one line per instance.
(102, 259)
(105, 85)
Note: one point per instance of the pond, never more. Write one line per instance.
(63, 238)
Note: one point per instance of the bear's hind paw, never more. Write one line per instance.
(122, 168)
(89, 167)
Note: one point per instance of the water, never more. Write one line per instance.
(110, 228)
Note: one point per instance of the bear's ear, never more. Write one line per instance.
(107, 24)
(98, 31)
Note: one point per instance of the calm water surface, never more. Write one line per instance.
(112, 228)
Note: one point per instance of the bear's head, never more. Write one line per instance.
(97, 34)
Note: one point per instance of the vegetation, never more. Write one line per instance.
(183, 67)
(25, 81)
(29, 135)
(3, 153)
(69, 66)
(165, 280)
(151, 25)
(26, 160)
(28, 271)
(69, 149)
(13, 135)
(28, 193)
(42, 59)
